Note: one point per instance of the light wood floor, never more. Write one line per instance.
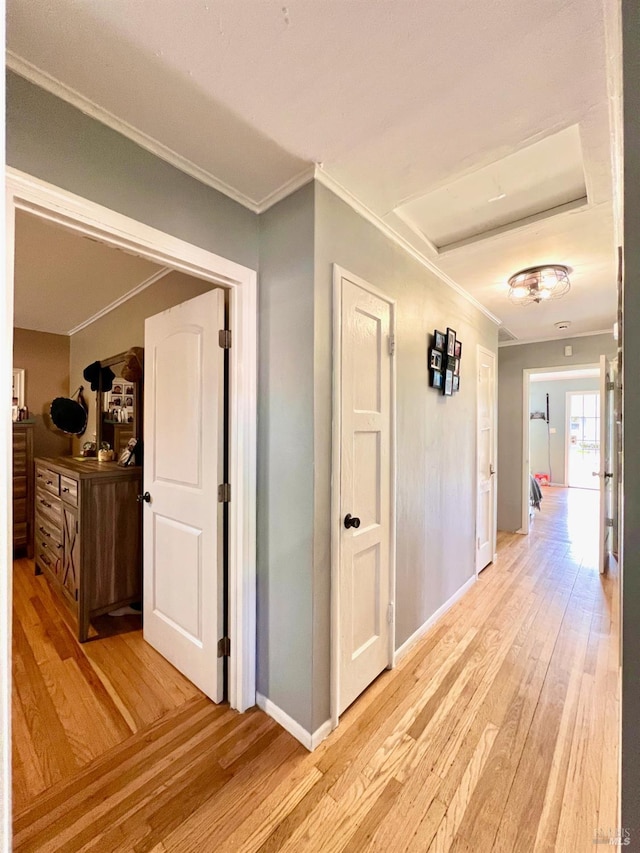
(498, 732)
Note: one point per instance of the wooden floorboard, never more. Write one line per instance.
(498, 732)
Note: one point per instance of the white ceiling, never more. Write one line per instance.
(62, 279)
(398, 100)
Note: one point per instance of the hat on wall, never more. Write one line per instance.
(70, 415)
(133, 365)
(100, 378)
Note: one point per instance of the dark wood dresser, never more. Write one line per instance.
(117, 435)
(23, 486)
(88, 534)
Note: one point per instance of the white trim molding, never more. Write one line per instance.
(310, 740)
(66, 93)
(121, 300)
(45, 201)
(557, 338)
(324, 178)
(418, 635)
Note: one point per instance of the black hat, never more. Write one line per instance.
(99, 376)
(69, 415)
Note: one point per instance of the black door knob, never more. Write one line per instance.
(146, 497)
(351, 521)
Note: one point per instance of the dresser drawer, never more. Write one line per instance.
(20, 533)
(69, 490)
(19, 510)
(47, 480)
(48, 531)
(49, 507)
(19, 463)
(19, 441)
(19, 487)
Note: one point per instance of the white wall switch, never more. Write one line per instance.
(553, 430)
(568, 350)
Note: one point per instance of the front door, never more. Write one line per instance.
(183, 589)
(485, 505)
(365, 489)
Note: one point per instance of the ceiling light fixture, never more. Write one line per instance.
(539, 284)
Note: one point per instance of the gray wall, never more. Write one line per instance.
(512, 360)
(285, 456)
(436, 435)
(631, 420)
(540, 443)
(54, 141)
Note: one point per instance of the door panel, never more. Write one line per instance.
(485, 512)
(183, 585)
(365, 490)
(607, 427)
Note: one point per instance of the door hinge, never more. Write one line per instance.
(390, 613)
(609, 522)
(224, 338)
(224, 493)
(392, 344)
(224, 647)
(610, 386)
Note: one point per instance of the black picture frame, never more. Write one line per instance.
(456, 367)
(439, 340)
(447, 388)
(456, 382)
(457, 349)
(435, 379)
(435, 359)
(451, 341)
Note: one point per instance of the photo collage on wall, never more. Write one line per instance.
(445, 355)
(120, 401)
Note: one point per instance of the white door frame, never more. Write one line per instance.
(494, 508)
(526, 393)
(336, 520)
(51, 203)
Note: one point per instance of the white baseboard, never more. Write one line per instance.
(308, 739)
(406, 647)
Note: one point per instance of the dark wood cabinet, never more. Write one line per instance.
(117, 435)
(23, 486)
(88, 534)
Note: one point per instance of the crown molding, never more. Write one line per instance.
(122, 299)
(55, 87)
(338, 189)
(556, 338)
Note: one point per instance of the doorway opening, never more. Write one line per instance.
(173, 261)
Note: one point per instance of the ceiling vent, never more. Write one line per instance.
(505, 336)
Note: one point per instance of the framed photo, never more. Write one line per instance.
(451, 341)
(448, 382)
(456, 367)
(456, 382)
(435, 360)
(457, 349)
(128, 391)
(439, 340)
(436, 379)
(17, 392)
(116, 389)
(116, 401)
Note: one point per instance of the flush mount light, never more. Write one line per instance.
(563, 325)
(539, 284)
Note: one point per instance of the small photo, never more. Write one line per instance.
(117, 389)
(436, 379)
(439, 340)
(435, 361)
(128, 402)
(128, 390)
(448, 382)
(451, 341)
(456, 383)
(456, 367)
(116, 401)
(457, 349)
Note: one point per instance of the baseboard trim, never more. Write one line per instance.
(310, 740)
(406, 647)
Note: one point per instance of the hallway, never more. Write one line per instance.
(497, 732)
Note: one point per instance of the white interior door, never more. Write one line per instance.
(184, 383)
(486, 462)
(605, 472)
(365, 611)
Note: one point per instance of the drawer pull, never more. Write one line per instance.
(65, 489)
(49, 482)
(46, 532)
(44, 560)
(40, 475)
(45, 503)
